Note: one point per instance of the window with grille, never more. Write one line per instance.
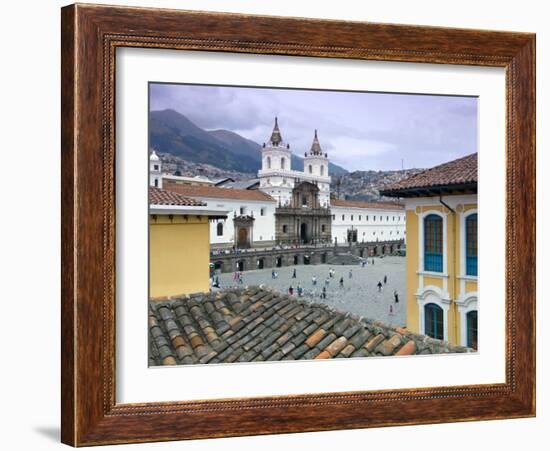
(471, 329)
(433, 243)
(433, 321)
(471, 245)
(219, 229)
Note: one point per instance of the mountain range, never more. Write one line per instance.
(173, 133)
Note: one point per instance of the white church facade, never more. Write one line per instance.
(278, 179)
(289, 207)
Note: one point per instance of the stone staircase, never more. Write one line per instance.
(344, 259)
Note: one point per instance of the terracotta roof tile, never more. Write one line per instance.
(255, 324)
(158, 196)
(216, 192)
(460, 172)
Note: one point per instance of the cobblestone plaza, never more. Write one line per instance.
(359, 294)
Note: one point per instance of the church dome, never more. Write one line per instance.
(154, 156)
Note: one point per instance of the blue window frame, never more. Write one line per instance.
(471, 245)
(433, 243)
(433, 321)
(471, 329)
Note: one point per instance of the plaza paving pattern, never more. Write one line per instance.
(359, 295)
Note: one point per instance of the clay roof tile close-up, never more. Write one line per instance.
(256, 324)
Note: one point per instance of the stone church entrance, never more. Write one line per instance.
(304, 238)
(303, 221)
(243, 231)
(242, 240)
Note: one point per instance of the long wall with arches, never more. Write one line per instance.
(252, 259)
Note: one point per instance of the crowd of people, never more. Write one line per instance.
(315, 291)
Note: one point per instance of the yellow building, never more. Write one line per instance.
(442, 234)
(179, 244)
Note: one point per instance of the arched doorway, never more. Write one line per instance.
(242, 238)
(260, 263)
(295, 259)
(374, 251)
(218, 266)
(323, 257)
(240, 265)
(306, 259)
(279, 262)
(303, 233)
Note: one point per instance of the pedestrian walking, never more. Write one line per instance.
(299, 289)
(373, 261)
(314, 280)
(273, 274)
(327, 282)
(379, 285)
(294, 273)
(324, 293)
(291, 290)
(391, 310)
(341, 282)
(350, 274)
(385, 279)
(396, 296)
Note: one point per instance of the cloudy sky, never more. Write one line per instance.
(359, 131)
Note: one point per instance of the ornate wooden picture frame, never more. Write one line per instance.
(90, 37)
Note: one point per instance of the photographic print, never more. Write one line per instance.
(292, 224)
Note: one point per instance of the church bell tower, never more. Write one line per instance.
(155, 170)
(276, 174)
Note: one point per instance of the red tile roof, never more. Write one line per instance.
(158, 196)
(256, 325)
(457, 173)
(217, 192)
(363, 204)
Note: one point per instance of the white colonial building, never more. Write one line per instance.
(289, 206)
(363, 222)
